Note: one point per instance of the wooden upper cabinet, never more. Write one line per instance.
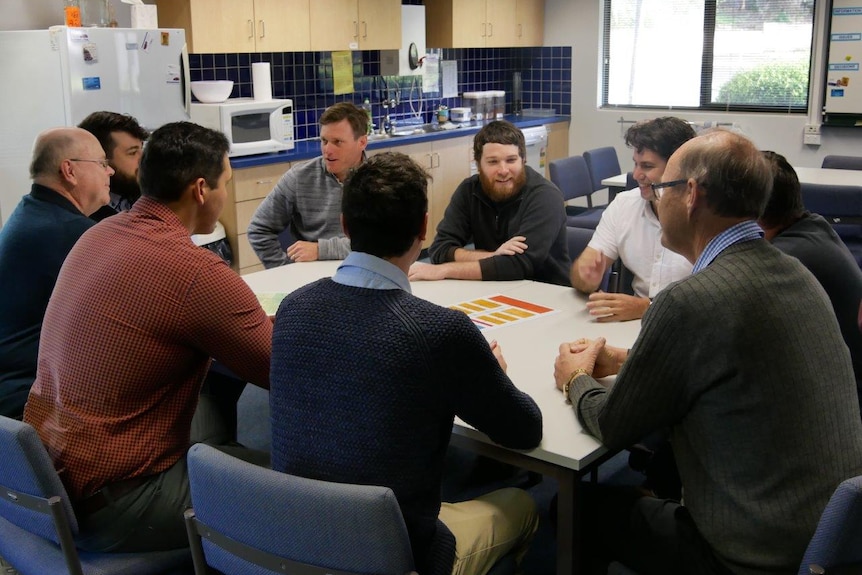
(483, 23)
(216, 26)
(282, 25)
(355, 24)
(530, 22)
(380, 24)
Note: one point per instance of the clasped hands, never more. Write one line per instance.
(595, 357)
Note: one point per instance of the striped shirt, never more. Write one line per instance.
(741, 232)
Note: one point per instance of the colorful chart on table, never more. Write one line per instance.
(500, 310)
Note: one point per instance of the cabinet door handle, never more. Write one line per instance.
(261, 182)
(250, 29)
(520, 30)
(356, 29)
(434, 156)
(364, 30)
(262, 28)
(490, 29)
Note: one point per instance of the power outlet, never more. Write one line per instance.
(811, 134)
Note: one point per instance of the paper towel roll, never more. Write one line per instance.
(261, 79)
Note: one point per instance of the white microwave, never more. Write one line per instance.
(251, 126)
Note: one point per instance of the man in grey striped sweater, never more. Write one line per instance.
(744, 362)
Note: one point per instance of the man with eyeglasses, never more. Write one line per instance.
(630, 229)
(744, 362)
(123, 139)
(71, 180)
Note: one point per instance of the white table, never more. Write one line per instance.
(805, 175)
(530, 347)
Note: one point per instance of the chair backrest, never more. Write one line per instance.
(842, 162)
(837, 539)
(841, 205)
(30, 484)
(571, 176)
(602, 163)
(577, 238)
(252, 517)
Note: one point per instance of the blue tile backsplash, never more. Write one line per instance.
(306, 77)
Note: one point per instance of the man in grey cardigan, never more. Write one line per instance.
(307, 198)
(744, 362)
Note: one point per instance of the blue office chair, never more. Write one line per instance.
(602, 163)
(37, 523)
(842, 162)
(251, 520)
(841, 205)
(836, 546)
(573, 178)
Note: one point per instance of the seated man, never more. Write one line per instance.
(137, 313)
(70, 182)
(630, 230)
(744, 362)
(123, 140)
(514, 217)
(367, 379)
(307, 199)
(812, 240)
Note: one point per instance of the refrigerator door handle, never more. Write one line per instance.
(187, 86)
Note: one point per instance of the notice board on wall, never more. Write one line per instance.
(843, 75)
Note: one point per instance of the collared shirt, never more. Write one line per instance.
(368, 271)
(137, 312)
(741, 232)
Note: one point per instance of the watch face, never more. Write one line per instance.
(413, 56)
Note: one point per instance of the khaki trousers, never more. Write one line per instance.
(490, 527)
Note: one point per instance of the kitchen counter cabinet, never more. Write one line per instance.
(355, 25)
(558, 144)
(247, 190)
(221, 26)
(484, 23)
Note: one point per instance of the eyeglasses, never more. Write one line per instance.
(104, 163)
(656, 188)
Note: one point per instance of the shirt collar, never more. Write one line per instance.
(741, 232)
(367, 271)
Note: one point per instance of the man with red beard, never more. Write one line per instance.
(123, 141)
(513, 216)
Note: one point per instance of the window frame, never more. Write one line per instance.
(709, 21)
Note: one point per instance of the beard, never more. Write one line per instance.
(126, 187)
(501, 192)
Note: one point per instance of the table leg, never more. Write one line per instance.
(568, 524)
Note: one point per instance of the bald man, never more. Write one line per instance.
(71, 180)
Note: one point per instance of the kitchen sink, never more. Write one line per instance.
(408, 130)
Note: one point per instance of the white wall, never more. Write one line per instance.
(577, 23)
(40, 14)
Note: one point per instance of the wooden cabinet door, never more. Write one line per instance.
(451, 165)
(502, 23)
(530, 27)
(558, 144)
(469, 25)
(334, 24)
(211, 25)
(282, 26)
(380, 24)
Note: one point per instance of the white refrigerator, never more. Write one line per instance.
(57, 77)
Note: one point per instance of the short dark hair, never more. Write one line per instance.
(661, 135)
(384, 204)
(732, 170)
(176, 155)
(101, 124)
(785, 202)
(499, 132)
(355, 116)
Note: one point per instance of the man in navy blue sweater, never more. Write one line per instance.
(71, 180)
(366, 380)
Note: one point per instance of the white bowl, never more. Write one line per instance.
(212, 91)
